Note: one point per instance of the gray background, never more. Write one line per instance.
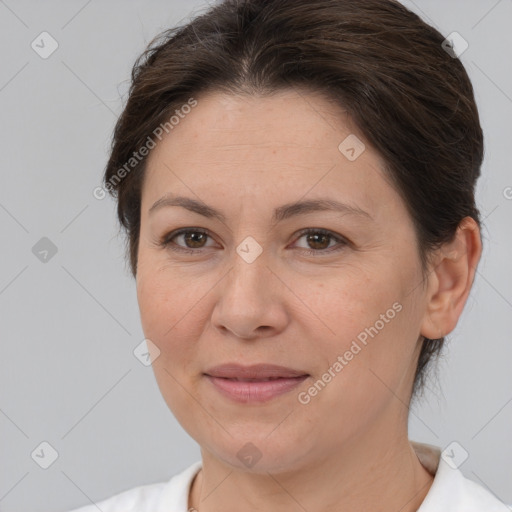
(69, 326)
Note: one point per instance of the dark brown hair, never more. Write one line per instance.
(379, 61)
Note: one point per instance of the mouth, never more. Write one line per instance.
(256, 383)
(254, 372)
(254, 380)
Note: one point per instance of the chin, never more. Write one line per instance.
(258, 454)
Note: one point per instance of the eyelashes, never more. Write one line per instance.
(316, 236)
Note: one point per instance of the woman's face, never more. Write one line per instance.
(344, 308)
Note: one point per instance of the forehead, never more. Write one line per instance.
(285, 119)
(284, 144)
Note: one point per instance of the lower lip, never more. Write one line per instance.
(262, 391)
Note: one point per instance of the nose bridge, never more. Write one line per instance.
(249, 250)
(245, 302)
(247, 286)
(253, 234)
(249, 265)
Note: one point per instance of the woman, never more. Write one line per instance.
(297, 180)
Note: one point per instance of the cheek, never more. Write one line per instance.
(168, 310)
(170, 321)
(348, 305)
(370, 333)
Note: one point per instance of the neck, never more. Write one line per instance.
(370, 472)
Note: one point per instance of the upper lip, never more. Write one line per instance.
(256, 371)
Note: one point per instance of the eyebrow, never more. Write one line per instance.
(281, 213)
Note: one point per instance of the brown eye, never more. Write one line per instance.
(319, 241)
(193, 240)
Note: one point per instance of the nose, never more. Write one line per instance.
(250, 301)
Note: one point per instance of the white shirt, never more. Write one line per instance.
(451, 491)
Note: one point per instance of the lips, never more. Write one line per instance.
(254, 373)
(254, 384)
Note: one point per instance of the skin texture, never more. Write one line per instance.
(348, 448)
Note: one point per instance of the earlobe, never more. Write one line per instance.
(451, 279)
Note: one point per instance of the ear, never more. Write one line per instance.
(450, 280)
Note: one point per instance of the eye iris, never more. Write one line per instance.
(315, 237)
(317, 240)
(191, 234)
